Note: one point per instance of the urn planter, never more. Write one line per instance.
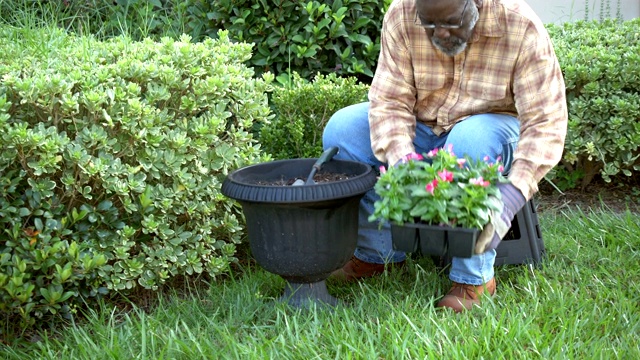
(434, 240)
(301, 233)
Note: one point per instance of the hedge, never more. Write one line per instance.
(112, 158)
(601, 66)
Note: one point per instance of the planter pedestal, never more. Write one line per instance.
(301, 233)
(301, 295)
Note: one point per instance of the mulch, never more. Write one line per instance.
(617, 197)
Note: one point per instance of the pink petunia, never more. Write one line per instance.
(486, 158)
(412, 156)
(479, 181)
(461, 162)
(500, 168)
(450, 148)
(445, 175)
(383, 170)
(433, 152)
(432, 186)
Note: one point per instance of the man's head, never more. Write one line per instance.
(448, 23)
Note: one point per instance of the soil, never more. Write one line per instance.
(321, 177)
(617, 196)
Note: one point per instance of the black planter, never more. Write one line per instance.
(302, 233)
(434, 240)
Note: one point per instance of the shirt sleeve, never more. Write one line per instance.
(392, 94)
(539, 94)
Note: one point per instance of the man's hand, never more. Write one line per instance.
(500, 222)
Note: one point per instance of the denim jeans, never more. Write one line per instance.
(478, 136)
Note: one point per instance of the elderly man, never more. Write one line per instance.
(481, 75)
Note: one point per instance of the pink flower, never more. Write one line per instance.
(445, 175)
(461, 162)
(433, 152)
(412, 156)
(431, 186)
(382, 169)
(486, 158)
(450, 149)
(479, 181)
(500, 168)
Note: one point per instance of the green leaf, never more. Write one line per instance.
(37, 222)
(66, 296)
(105, 205)
(360, 22)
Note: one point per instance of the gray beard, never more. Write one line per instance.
(450, 47)
(454, 45)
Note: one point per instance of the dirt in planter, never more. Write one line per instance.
(321, 177)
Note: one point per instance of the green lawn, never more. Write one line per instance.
(582, 303)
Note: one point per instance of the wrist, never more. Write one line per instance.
(512, 197)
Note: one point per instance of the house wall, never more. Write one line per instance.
(558, 11)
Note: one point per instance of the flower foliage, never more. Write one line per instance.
(439, 188)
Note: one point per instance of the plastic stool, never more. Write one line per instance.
(523, 243)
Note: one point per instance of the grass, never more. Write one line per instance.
(581, 303)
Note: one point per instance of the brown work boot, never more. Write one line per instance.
(356, 269)
(462, 297)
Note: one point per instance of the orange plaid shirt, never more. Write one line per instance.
(509, 67)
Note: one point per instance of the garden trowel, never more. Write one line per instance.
(326, 156)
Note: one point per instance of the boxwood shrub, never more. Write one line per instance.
(301, 110)
(112, 158)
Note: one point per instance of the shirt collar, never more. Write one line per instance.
(491, 20)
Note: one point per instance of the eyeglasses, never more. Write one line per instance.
(419, 22)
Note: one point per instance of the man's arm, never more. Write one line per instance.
(392, 95)
(539, 94)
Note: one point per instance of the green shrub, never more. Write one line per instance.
(601, 66)
(112, 158)
(102, 18)
(302, 109)
(307, 37)
(341, 36)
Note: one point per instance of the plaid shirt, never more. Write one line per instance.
(509, 67)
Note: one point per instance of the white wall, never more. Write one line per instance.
(558, 11)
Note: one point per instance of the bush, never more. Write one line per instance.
(112, 158)
(302, 109)
(601, 66)
(341, 36)
(307, 37)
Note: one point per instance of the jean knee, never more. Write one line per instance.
(352, 117)
(348, 129)
(499, 136)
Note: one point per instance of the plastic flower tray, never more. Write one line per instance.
(434, 240)
(523, 244)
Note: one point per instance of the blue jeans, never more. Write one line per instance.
(478, 136)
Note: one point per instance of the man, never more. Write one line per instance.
(481, 75)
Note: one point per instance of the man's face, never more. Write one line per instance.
(448, 23)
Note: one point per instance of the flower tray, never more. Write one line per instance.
(434, 240)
